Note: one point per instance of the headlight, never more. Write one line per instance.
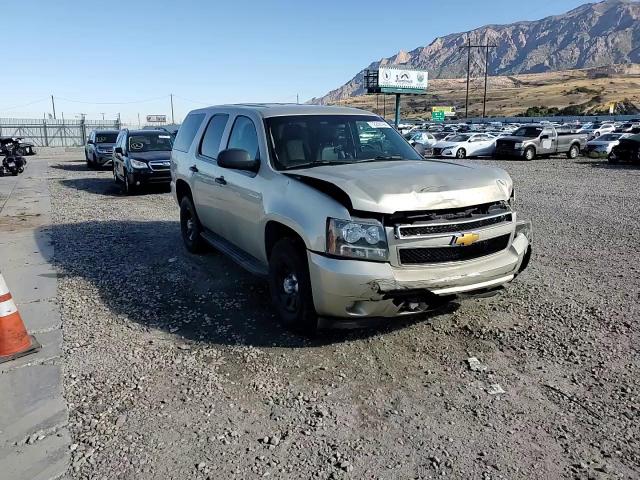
(137, 163)
(353, 239)
(446, 151)
(517, 145)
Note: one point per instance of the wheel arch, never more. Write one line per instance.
(183, 189)
(275, 230)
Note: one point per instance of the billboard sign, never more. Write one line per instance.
(437, 116)
(448, 111)
(156, 118)
(402, 79)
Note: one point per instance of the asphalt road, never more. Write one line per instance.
(175, 366)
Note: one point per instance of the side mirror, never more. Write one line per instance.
(118, 150)
(238, 159)
(90, 142)
(544, 137)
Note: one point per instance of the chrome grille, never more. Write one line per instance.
(413, 231)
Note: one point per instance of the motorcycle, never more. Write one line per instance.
(13, 163)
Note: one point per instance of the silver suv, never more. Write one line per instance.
(340, 213)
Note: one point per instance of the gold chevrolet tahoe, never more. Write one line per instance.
(343, 217)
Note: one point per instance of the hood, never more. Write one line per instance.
(601, 143)
(105, 145)
(447, 144)
(395, 186)
(513, 138)
(148, 156)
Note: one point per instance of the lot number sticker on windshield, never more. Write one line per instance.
(164, 136)
(379, 125)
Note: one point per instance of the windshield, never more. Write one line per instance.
(530, 132)
(302, 141)
(150, 142)
(106, 137)
(609, 137)
(458, 138)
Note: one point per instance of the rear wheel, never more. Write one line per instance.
(290, 286)
(190, 227)
(529, 154)
(573, 152)
(461, 153)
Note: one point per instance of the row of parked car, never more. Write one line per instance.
(529, 141)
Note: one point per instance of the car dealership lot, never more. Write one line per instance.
(175, 366)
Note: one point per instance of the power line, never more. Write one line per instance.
(26, 104)
(113, 103)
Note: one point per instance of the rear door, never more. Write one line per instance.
(206, 174)
(548, 141)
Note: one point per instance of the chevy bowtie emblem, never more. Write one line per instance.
(464, 239)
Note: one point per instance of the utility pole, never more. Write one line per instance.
(53, 105)
(466, 102)
(486, 76)
(139, 120)
(172, 118)
(469, 46)
(297, 99)
(102, 113)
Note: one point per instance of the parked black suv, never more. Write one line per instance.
(142, 157)
(99, 148)
(627, 150)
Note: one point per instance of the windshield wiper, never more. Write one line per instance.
(382, 158)
(316, 164)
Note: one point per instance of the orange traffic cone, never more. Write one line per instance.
(14, 340)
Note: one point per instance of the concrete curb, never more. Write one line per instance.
(34, 438)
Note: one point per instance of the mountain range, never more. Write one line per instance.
(592, 35)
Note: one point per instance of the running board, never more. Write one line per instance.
(242, 258)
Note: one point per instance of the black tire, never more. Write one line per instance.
(127, 188)
(461, 153)
(115, 174)
(190, 227)
(573, 152)
(613, 159)
(529, 154)
(290, 286)
(95, 161)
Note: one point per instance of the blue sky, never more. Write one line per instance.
(110, 57)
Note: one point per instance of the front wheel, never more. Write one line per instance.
(190, 227)
(127, 187)
(115, 174)
(613, 159)
(290, 286)
(461, 153)
(573, 152)
(529, 154)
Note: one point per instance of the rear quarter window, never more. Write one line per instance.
(187, 131)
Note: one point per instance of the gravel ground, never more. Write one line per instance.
(175, 366)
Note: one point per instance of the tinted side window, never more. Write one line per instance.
(244, 136)
(188, 131)
(212, 137)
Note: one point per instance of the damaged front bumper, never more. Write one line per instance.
(352, 289)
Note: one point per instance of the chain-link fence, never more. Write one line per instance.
(54, 133)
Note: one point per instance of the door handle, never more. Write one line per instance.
(220, 180)
(193, 168)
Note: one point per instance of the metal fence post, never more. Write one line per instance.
(83, 132)
(44, 130)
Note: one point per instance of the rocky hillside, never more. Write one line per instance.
(592, 35)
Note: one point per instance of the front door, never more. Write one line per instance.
(240, 194)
